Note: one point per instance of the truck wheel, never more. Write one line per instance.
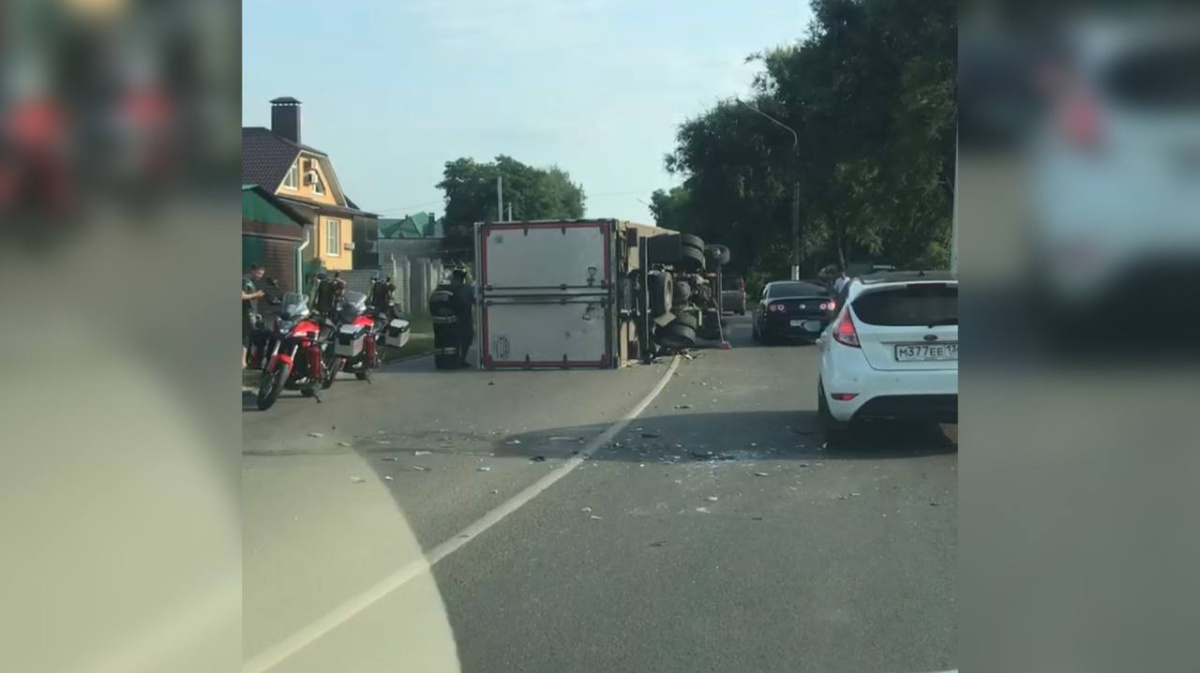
(692, 259)
(686, 319)
(661, 287)
(677, 336)
(690, 241)
(719, 254)
(683, 292)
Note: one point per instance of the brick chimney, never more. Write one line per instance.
(285, 118)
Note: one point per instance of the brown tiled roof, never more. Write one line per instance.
(267, 156)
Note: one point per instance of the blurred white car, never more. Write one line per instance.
(891, 352)
(1116, 168)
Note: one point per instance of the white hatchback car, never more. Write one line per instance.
(891, 352)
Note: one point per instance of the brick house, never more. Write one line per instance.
(303, 178)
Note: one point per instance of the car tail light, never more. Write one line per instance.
(776, 308)
(1081, 122)
(830, 305)
(845, 333)
(844, 397)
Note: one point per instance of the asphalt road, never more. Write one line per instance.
(711, 533)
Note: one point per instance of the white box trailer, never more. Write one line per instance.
(560, 293)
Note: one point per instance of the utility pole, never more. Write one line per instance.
(954, 217)
(796, 253)
(510, 211)
(499, 198)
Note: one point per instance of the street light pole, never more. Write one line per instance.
(795, 190)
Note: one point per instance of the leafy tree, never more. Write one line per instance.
(870, 90)
(470, 193)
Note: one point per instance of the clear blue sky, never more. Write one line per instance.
(392, 89)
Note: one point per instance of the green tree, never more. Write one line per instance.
(470, 193)
(870, 90)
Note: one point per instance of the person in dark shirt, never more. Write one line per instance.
(250, 296)
(464, 309)
(323, 299)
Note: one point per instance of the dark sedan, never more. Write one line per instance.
(793, 310)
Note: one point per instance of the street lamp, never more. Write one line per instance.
(795, 190)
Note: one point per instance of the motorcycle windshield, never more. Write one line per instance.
(353, 305)
(294, 306)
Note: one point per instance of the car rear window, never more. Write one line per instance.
(1164, 76)
(909, 306)
(796, 290)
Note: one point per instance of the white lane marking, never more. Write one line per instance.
(276, 654)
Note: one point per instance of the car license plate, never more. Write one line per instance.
(807, 325)
(926, 352)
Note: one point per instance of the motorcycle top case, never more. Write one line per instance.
(350, 340)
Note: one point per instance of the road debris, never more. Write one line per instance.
(318, 435)
(596, 518)
(712, 498)
(357, 480)
(585, 510)
(762, 474)
(513, 442)
(703, 510)
(683, 406)
(491, 383)
(855, 495)
(485, 468)
(421, 453)
(495, 492)
(387, 477)
(390, 459)
(566, 439)
(345, 444)
(642, 465)
(538, 459)
(420, 468)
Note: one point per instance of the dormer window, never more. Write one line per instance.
(292, 179)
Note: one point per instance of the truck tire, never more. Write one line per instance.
(661, 287)
(683, 292)
(719, 255)
(676, 336)
(692, 259)
(687, 319)
(690, 241)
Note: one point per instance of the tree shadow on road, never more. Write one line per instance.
(729, 437)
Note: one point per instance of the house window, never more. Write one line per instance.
(333, 238)
(290, 180)
(318, 188)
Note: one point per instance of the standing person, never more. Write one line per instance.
(841, 281)
(323, 295)
(250, 296)
(339, 287)
(381, 296)
(463, 300)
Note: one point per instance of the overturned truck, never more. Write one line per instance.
(591, 293)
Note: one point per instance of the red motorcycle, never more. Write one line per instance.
(359, 339)
(293, 356)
